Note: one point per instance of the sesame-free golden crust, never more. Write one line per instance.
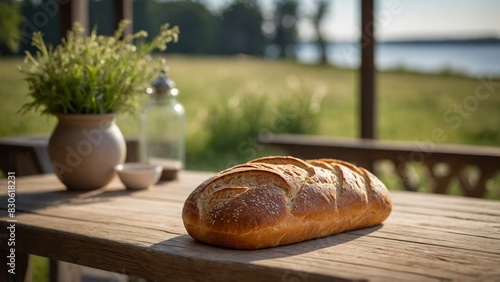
(282, 200)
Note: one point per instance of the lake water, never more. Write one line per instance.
(473, 59)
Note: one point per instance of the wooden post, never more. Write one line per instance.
(123, 9)
(73, 11)
(367, 73)
(21, 266)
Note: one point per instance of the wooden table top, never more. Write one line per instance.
(427, 237)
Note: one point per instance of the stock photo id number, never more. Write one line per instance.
(11, 222)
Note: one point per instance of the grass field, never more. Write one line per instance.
(410, 105)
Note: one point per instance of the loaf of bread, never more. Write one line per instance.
(282, 200)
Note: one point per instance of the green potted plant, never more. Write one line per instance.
(85, 81)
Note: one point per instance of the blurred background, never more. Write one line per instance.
(428, 36)
(248, 67)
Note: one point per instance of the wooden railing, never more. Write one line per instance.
(411, 165)
(27, 155)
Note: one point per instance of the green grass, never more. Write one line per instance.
(40, 269)
(410, 105)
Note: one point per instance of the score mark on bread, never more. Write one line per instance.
(275, 201)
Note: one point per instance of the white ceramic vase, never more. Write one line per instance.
(84, 149)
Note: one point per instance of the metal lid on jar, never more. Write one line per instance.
(163, 85)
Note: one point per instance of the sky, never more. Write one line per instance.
(403, 19)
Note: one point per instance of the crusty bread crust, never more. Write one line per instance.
(282, 200)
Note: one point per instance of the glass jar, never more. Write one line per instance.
(162, 128)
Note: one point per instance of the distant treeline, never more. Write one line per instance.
(238, 27)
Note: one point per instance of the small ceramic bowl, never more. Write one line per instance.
(138, 176)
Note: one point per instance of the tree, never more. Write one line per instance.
(199, 28)
(235, 28)
(10, 24)
(322, 9)
(100, 18)
(285, 21)
(141, 16)
(241, 29)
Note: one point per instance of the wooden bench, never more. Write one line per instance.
(24, 155)
(473, 167)
(27, 155)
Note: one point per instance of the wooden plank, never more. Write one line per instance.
(427, 237)
(464, 227)
(466, 208)
(170, 222)
(460, 215)
(73, 11)
(49, 183)
(21, 270)
(154, 214)
(368, 99)
(431, 237)
(362, 252)
(143, 256)
(27, 155)
(310, 145)
(123, 9)
(160, 216)
(142, 225)
(445, 202)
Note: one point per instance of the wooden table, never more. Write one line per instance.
(427, 237)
